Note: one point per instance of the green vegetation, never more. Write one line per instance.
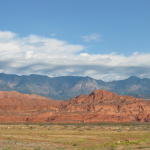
(75, 137)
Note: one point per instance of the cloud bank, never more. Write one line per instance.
(35, 54)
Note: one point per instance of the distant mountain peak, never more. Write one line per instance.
(134, 78)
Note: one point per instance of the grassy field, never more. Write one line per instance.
(75, 137)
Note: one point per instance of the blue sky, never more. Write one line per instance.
(100, 27)
(123, 24)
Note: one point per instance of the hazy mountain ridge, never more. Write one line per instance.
(66, 87)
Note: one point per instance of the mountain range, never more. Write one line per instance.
(66, 87)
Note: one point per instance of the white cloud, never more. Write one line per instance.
(7, 35)
(54, 57)
(92, 37)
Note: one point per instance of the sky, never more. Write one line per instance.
(103, 39)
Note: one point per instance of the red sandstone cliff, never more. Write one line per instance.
(99, 106)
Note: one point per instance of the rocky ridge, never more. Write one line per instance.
(99, 106)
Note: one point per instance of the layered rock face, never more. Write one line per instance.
(18, 107)
(99, 106)
(104, 106)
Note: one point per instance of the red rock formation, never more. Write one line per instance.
(99, 106)
(104, 106)
(18, 107)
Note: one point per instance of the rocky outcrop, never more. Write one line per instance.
(99, 106)
(104, 106)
